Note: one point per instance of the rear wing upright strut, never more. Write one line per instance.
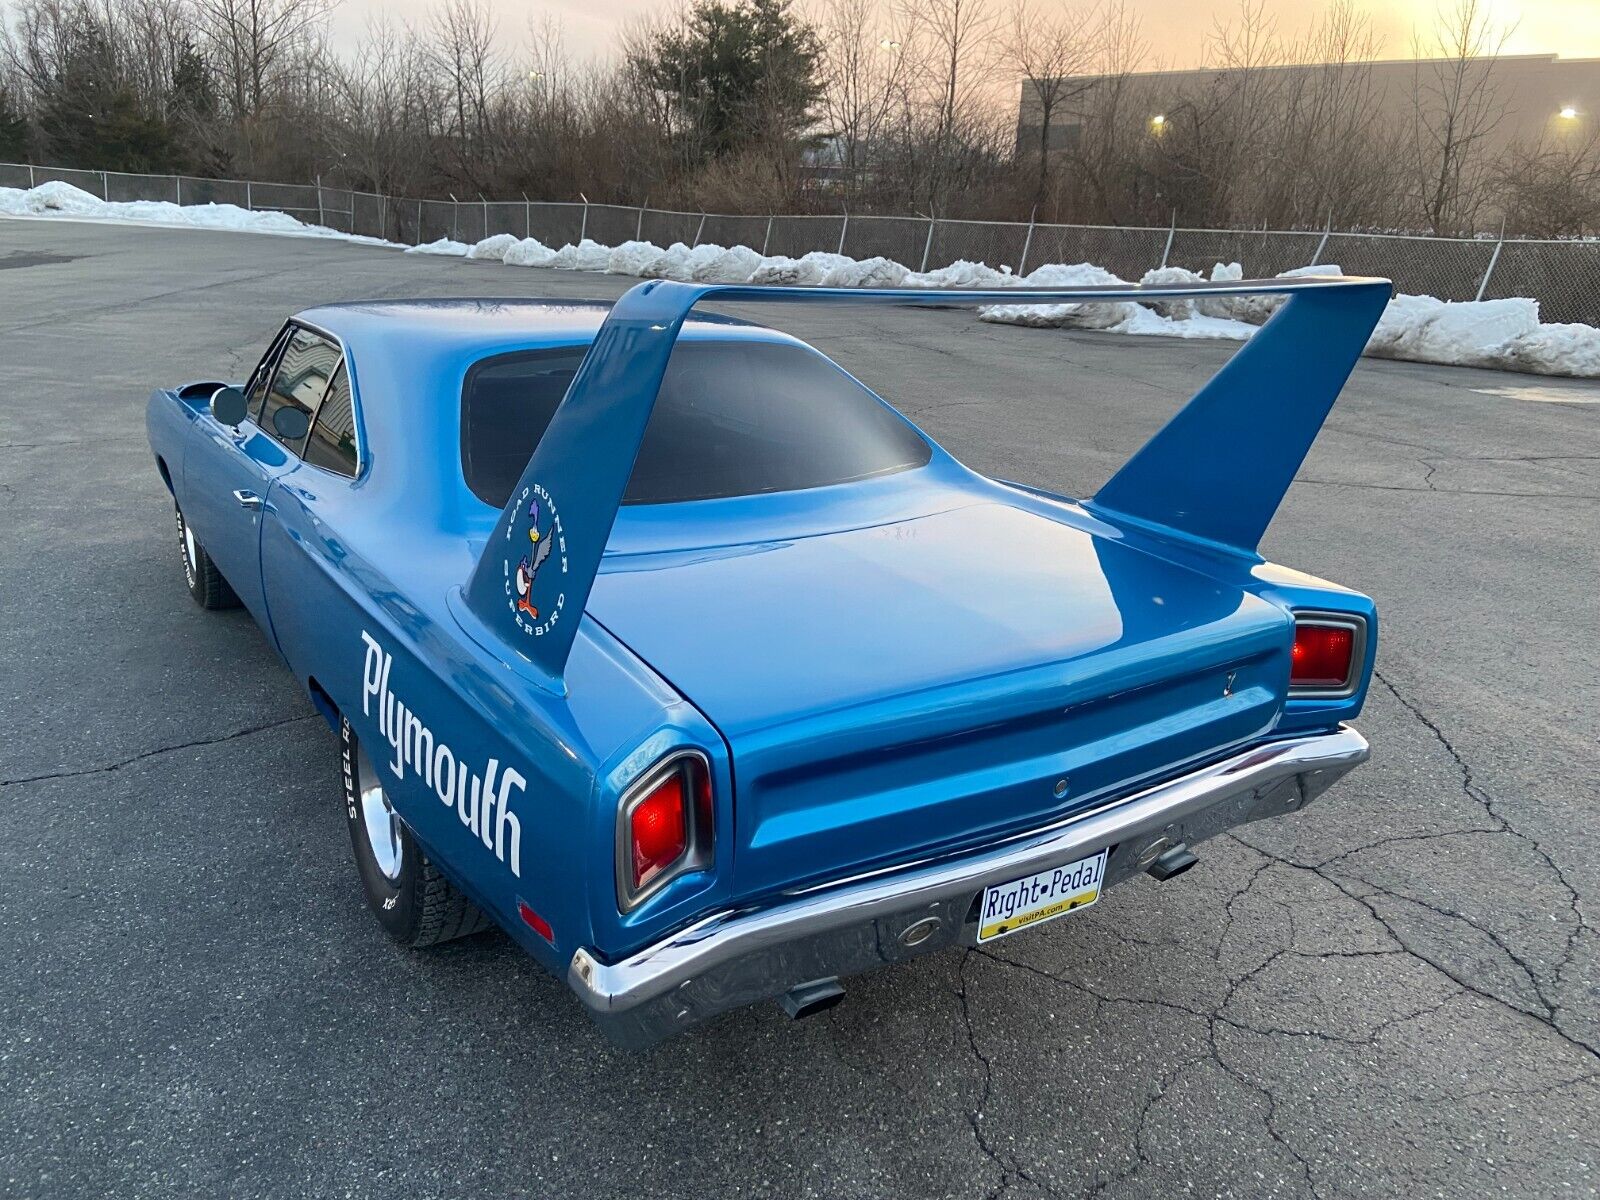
(1215, 474)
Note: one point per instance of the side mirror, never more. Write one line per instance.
(291, 424)
(229, 406)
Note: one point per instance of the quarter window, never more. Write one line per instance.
(302, 376)
(332, 444)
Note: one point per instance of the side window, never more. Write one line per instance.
(332, 444)
(302, 376)
(256, 391)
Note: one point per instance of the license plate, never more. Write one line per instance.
(1008, 907)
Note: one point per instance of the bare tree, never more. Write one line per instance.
(865, 70)
(390, 110)
(465, 53)
(1052, 51)
(1552, 188)
(1456, 106)
(1103, 164)
(253, 42)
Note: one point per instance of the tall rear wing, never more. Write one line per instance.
(1215, 473)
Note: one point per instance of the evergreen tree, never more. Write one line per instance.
(13, 128)
(192, 92)
(735, 73)
(89, 117)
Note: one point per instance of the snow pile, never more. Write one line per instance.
(54, 196)
(443, 246)
(799, 272)
(1055, 316)
(587, 255)
(734, 265)
(962, 274)
(1175, 310)
(1506, 334)
(495, 247)
(877, 272)
(529, 252)
(1484, 333)
(632, 258)
(1423, 329)
(1556, 349)
(57, 199)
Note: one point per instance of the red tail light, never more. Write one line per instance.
(665, 827)
(659, 827)
(1324, 654)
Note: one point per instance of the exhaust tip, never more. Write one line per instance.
(808, 999)
(1173, 863)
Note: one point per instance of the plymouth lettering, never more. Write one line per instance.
(482, 799)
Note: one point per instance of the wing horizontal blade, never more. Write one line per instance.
(1215, 474)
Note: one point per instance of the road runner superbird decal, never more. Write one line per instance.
(541, 545)
(528, 568)
(482, 808)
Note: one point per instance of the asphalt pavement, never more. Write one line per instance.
(1393, 994)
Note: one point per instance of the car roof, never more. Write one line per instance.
(407, 360)
(493, 324)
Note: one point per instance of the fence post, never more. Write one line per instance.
(418, 242)
(321, 217)
(843, 229)
(583, 229)
(1493, 258)
(698, 230)
(1022, 263)
(1323, 244)
(527, 216)
(485, 204)
(383, 215)
(177, 182)
(455, 217)
(1171, 229)
(638, 229)
(30, 176)
(766, 238)
(105, 187)
(926, 246)
(249, 201)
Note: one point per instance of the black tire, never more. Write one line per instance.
(412, 900)
(206, 584)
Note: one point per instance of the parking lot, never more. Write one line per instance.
(1394, 993)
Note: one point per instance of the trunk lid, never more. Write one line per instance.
(929, 683)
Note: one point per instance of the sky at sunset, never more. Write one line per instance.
(1174, 28)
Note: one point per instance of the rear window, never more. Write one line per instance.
(733, 419)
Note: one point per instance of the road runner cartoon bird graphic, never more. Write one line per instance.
(528, 568)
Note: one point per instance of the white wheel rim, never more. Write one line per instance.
(187, 546)
(378, 816)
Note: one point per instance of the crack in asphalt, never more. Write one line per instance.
(1394, 487)
(1549, 1010)
(144, 754)
(1547, 1013)
(1212, 1019)
(1473, 791)
(975, 1115)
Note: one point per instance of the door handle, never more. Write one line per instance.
(247, 499)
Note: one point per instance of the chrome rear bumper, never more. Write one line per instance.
(739, 956)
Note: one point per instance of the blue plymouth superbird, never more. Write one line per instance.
(658, 640)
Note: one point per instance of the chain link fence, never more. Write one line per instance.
(1564, 276)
